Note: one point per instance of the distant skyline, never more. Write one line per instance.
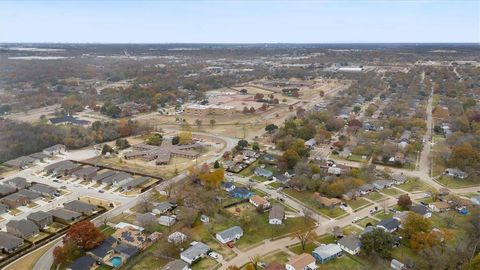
(422, 21)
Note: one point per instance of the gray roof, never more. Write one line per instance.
(366, 187)
(262, 171)
(136, 182)
(6, 189)
(175, 265)
(399, 177)
(351, 242)
(3, 208)
(85, 171)
(103, 175)
(64, 214)
(20, 161)
(55, 147)
(230, 232)
(57, 165)
(103, 249)
(80, 207)
(18, 182)
(38, 216)
(14, 197)
(389, 223)
(126, 249)
(31, 195)
(42, 188)
(163, 206)
(8, 241)
(118, 176)
(38, 155)
(195, 250)
(326, 251)
(419, 209)
(24, 226)
(82, 263)
(277, 212)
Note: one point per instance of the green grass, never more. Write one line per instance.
(275, 185)
(365, 221)
(356, 158)
(104, 267)
(326, 239)
(343, 263)
(38, 237)
(297, 249)
(306, 197)
(249, 170)
(413, 184)
(351, 229)
(280, 257)
(451, 182)
(375, 196)
(381, 215)
(204, 263)
(332, 213)
(358, 203)
(392, 191)
(54, 227)
(108, 230)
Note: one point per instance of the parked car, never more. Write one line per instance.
(230, 244)
(101, 191)
(214, 255)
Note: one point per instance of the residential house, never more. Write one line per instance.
(350, 244)
(326, 202)
(22, 228)
(228, 186)
(54, 150)
(345, 153)
(136, 182)
(86, 173)
(15, 200)
(81, 207)
(310, 143)
(49, 169)
(121, 179)
(104, 249)
(9, 243)
(281, 178)
(381, 184)
(167, 220)
(64, 216)
(399, 178)
(441, 113)
(131, 236)
(44, 190)
(269, 158)
(421, 210)
(326, 253)
(121, 225)
(20, 162)
(103, 175)
(40, 156)
(405, 137)
(289, 173)
(82, 263)
(456, 173)
(366, 188)
(439, 206)
(176, 265)
(263, 172)
(389, 224)
(66, 168)
(126, 250)
(177, 238)
(303, 261)
(204, 219)
(335, 170)
(31, 195)
(258, 201)
(397, 265)
(41, 219)
(145, 219)
(276, 215)
(68, 120)
(194, 252)
(18, 183)
(6, 189)
(229, 235)
(241, 193)
(162, 208)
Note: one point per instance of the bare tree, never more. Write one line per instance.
(304, 236)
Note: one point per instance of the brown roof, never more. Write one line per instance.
(258, 200)
(326, 201)
(443, 191)
(301, 261)
(441, 205)
(440, 112)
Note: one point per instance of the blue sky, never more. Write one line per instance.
(240, 21)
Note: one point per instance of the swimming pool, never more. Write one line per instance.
(116, 261)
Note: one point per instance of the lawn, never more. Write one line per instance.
(204, 263)
(15, 212)
(358, 203)
(414, 184)
(55, 227)
(275, 185)
(356, 158)
(375, 196)
(279, 257)
(108, 230)
(343, 263)
(306, 197)
(363, 222)
(32, 205)
(249, 170)
(381, 215)
(392, 191)
(129, 218)
(297, 249)
(451, 182)
(351, 229)
(325, 239)
(38, 237)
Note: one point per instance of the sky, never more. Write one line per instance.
(327, 21)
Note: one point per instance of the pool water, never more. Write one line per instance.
(116, 261)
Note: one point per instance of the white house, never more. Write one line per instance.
(54, 150)
(166, 220)
(276, 215)
(303, 261)
(194, 252)
(231, 234)
(350, 244)
(177, 238)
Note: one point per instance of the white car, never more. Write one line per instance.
(355, 219)
(214, 255)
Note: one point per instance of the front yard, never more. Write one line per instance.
(414, 185)
(306, 197)
(375, 196)
(451, 182)
(358, 203)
